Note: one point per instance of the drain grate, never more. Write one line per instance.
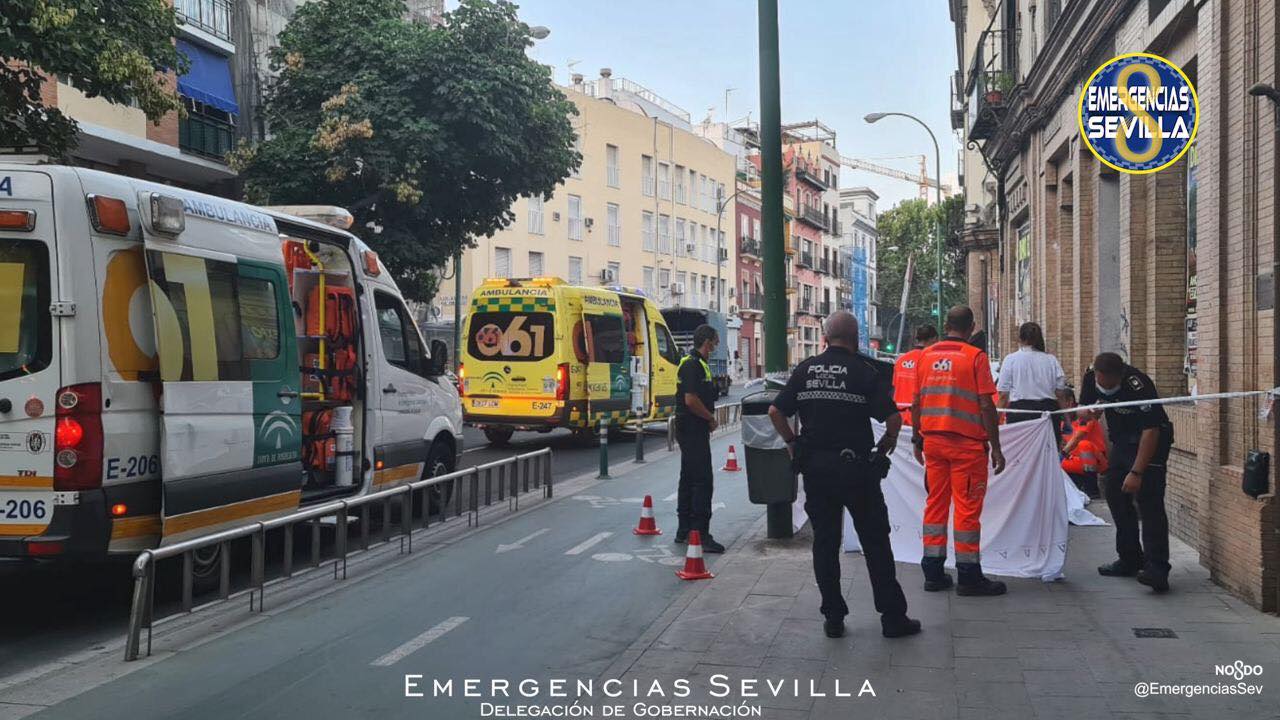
(1154, 633)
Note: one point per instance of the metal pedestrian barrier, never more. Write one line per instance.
(727, 415)
(498, 481)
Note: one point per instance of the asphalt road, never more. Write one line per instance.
(62, 610)
(559, 591)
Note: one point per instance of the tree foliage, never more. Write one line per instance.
(907, 230)
(106, 49)
(427, 134)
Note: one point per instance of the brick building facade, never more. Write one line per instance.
(1173, 269)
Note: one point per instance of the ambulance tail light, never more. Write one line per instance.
(562, 382)
(462, 379)
(77, 438)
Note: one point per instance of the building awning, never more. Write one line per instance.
(208, 80)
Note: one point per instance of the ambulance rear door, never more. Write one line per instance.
(29, 360)
(230, 439)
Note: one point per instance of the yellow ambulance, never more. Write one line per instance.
(540, 354)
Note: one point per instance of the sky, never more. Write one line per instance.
(840, 59)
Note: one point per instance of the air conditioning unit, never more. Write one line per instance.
(589, 222)
(555, 217)
(731, 290)
(733, 309)
(677, 288)
(607, 276)
(690, 248)
(724, 254)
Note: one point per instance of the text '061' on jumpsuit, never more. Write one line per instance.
(950, 376)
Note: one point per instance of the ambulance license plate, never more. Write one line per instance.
(25, 511)
(484, 403)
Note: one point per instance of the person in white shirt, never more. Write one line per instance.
(1032, 379)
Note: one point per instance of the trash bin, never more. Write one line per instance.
(769, 476)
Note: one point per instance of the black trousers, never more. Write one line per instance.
(693, 499)
(1142, 512)
(1036, 406)
(832, 486)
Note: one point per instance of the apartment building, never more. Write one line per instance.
(1172, 269)
(184, 151)
(858, 239)
(643, 211)
(750, 295)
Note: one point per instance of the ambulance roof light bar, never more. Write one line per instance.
(330, 215)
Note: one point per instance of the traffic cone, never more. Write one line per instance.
(731, 465)
(647, 526)
(694, 568)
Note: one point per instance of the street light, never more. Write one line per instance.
(937, 158)
(724, 203)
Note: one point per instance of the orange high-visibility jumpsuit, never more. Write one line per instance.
(904, 382)
(951, 376)
(1090, 453)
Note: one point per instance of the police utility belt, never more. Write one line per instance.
(871, 462)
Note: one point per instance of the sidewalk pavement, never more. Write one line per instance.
(1057, 650)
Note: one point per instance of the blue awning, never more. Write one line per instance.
(208, 80)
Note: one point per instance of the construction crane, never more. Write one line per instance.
(923, 180)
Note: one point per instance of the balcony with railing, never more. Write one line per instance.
(204, 131)
(835, 226)
(750, 247)
(993, 76)
(805, 260)
(824, 266)
(804, 307)
(814, 216)
(211, 16)
(752, 302)
(806, 174)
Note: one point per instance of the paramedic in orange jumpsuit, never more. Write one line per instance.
(955, 430)
(1085, 452)
(904, 371)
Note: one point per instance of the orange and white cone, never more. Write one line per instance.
(694, 568)
(647, 526)
(731, 465)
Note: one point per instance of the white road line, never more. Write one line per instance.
(587, 544)
(520, 543)
(672, 497)
(418, 643)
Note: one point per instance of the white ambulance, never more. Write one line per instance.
(173, 364)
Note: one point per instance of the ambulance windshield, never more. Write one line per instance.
(25, 324)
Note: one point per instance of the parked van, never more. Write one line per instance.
(173, 364)
(539, 354)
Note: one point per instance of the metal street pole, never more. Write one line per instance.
(724, 203)
(775, 292)
(457, 309)
(937, 170)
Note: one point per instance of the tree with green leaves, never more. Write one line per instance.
(108, 50)
(907, 230)
(426, 133)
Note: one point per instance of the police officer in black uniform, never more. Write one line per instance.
(696, 395)
(1141, 437)
(836, 394)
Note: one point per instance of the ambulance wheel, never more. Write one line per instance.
(498, 436)
(439, 462)
(206, 569)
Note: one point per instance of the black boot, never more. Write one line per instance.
(682, 536)
(935, 578)
(974, 584)
(1119, 568)
(1156, 581)
(709, 545)
(833, 627)
(897, 627)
